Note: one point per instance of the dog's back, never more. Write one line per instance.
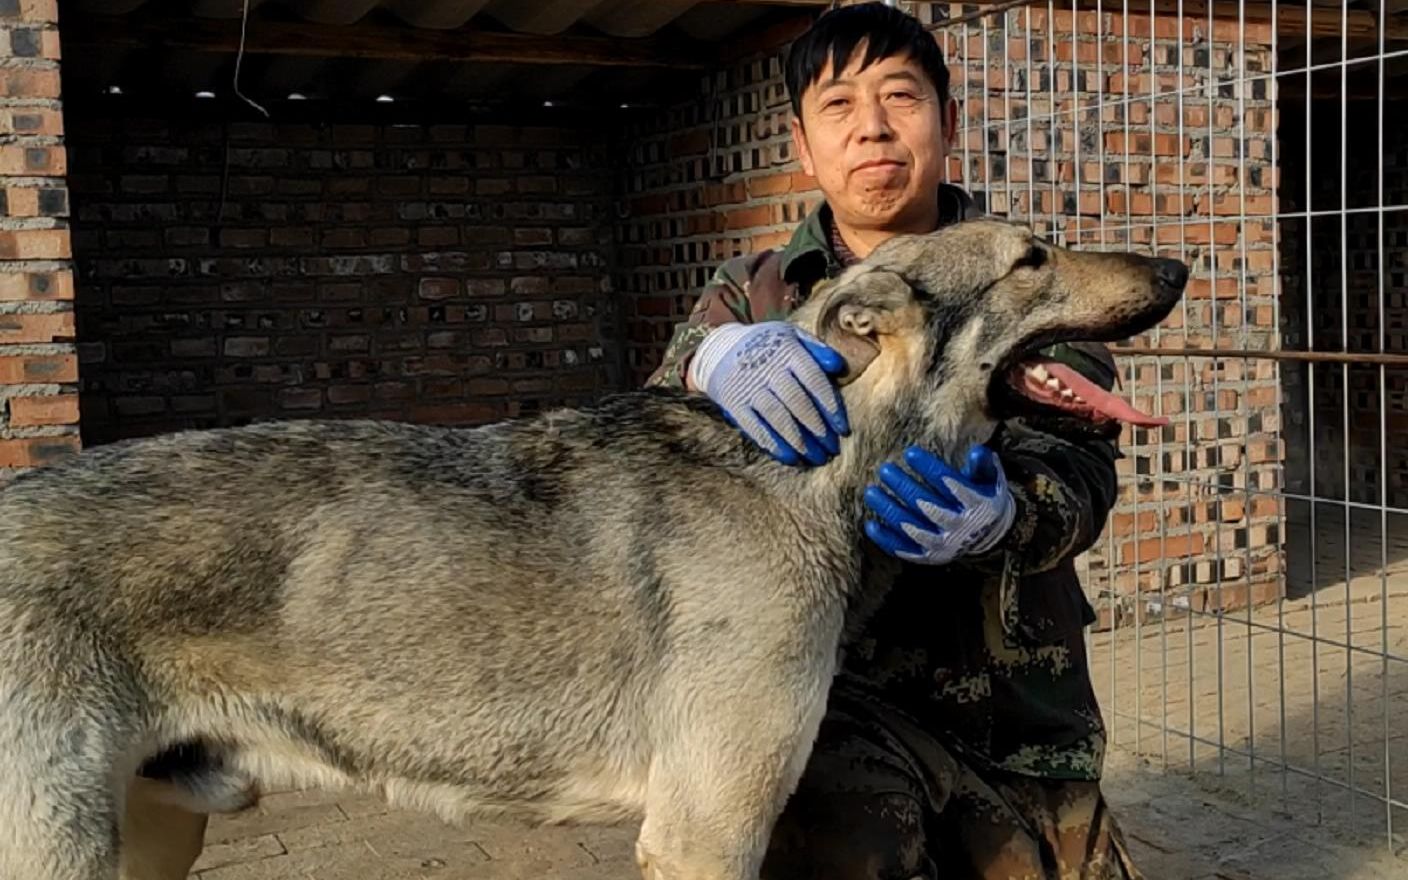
(464, 619)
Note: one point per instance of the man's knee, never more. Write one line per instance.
(850, 836)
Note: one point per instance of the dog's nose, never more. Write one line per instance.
(1171, 274)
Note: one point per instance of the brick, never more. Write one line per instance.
(38, 369)
(32, 11)
(34, 244)
(26, 42)
(689, 143)
(246, 347)
(33, 121)
(36, 328)
(770, 185)
(36, 286)
(37, 451)
(301, 398)
(29, 83)
(1171, 546)
(43, 410)
(439, 236)
(438, 288)
(748, 218)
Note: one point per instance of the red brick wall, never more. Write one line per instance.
(446, 274)
(715, 178)
(38, 365)
(706, 181)
(1106, 132)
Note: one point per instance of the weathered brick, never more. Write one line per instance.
(247, 346)
(43, 410)
(38, 11)
(34, 244)
(42, 121)
(21, 159)
(42, 286)
(36, 328)
(29, 82)
(38, 369)
(37, 451)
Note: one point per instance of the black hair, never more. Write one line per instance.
(886, 30)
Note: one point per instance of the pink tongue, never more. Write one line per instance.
(1101, 400)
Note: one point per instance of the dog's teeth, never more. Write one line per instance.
(1054, 384)
(1038, 373)
(1068, 394)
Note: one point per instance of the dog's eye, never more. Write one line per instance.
(1032, 259)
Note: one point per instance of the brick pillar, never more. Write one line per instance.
(38, 356)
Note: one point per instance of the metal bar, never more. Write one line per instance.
(1383, 452)
(1301, 771)
(1276, 216)
(1279, 493)
(1240, 344)
(1330, 357)
(1031, 114)
(1298, 634)
(1187, 364)
(967, 107)
(1217, 530)
(1051, 162)
(1310, 384)
(986, 130)
(1007, 113)
(1364, 24)
(1242, 184)
(1288, 215)
(1287, 72)
(1344, 387)
(1134, 374)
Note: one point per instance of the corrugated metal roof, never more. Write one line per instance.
(617, 18)
(163, 71)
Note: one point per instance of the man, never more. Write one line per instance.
(962, 738)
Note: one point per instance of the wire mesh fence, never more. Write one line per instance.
(1252, 584)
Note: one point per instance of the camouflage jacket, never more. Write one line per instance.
(988, 653)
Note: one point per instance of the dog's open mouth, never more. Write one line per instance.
(1056, 385)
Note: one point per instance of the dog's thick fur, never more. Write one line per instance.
(619, 611)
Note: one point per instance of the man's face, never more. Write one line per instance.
(876, 141)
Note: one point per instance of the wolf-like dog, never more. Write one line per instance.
(530, 617)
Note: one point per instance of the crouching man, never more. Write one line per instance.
(963, 738)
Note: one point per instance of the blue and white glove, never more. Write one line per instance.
(944, 514)
(771, 380)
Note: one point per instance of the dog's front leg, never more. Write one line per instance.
(716, 792)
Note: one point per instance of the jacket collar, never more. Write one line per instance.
(810, 255)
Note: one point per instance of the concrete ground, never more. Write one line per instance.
(1179, 828)
(1318, 684)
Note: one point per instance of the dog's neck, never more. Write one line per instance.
(880, 434)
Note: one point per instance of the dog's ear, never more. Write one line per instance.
(860, 312)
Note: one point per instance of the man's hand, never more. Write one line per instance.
(944, 514)
(771, 381)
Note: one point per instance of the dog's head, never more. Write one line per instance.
(948, 327)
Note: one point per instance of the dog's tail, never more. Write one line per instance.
(65, 732)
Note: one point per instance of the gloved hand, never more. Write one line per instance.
(771, 380)
(944, 514)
